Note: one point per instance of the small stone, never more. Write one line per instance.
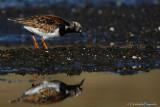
(111, 29)
(132, 35)
(112, 44)
(134, 67)
(68, 58)
(134, 57)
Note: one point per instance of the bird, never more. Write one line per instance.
(49, 92)
(48, 26)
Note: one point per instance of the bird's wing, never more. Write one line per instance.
(44, 96)
(44, 23)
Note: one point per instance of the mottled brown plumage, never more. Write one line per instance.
(48, 26)
(45, 96)
(44, 23)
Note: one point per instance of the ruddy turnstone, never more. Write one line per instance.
(48, 26)
(50, 92)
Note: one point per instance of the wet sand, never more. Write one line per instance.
(99, 89)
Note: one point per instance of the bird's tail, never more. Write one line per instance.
(81, 83)
(20, 20)
(15, 100)
(13, 19)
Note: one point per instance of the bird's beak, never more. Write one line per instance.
(81, 35)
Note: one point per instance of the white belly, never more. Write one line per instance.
(43, 34)
(44, 85)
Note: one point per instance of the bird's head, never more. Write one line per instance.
(77, 27)
(75, 90)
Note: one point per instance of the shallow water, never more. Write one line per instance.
(99, 89)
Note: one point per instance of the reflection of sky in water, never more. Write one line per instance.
(11, 38)
(26, 3)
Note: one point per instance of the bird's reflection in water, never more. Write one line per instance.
(50, 92)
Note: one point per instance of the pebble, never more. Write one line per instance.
(111, 29)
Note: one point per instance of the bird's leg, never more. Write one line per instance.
(35, 78)
(44, 76)
(35, 42)
(44, 44)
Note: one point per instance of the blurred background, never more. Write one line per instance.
(68, 3)
(105, 22)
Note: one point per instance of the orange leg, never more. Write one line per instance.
(35, 78)
(44, 76)
(44, 44)
(35, 42)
